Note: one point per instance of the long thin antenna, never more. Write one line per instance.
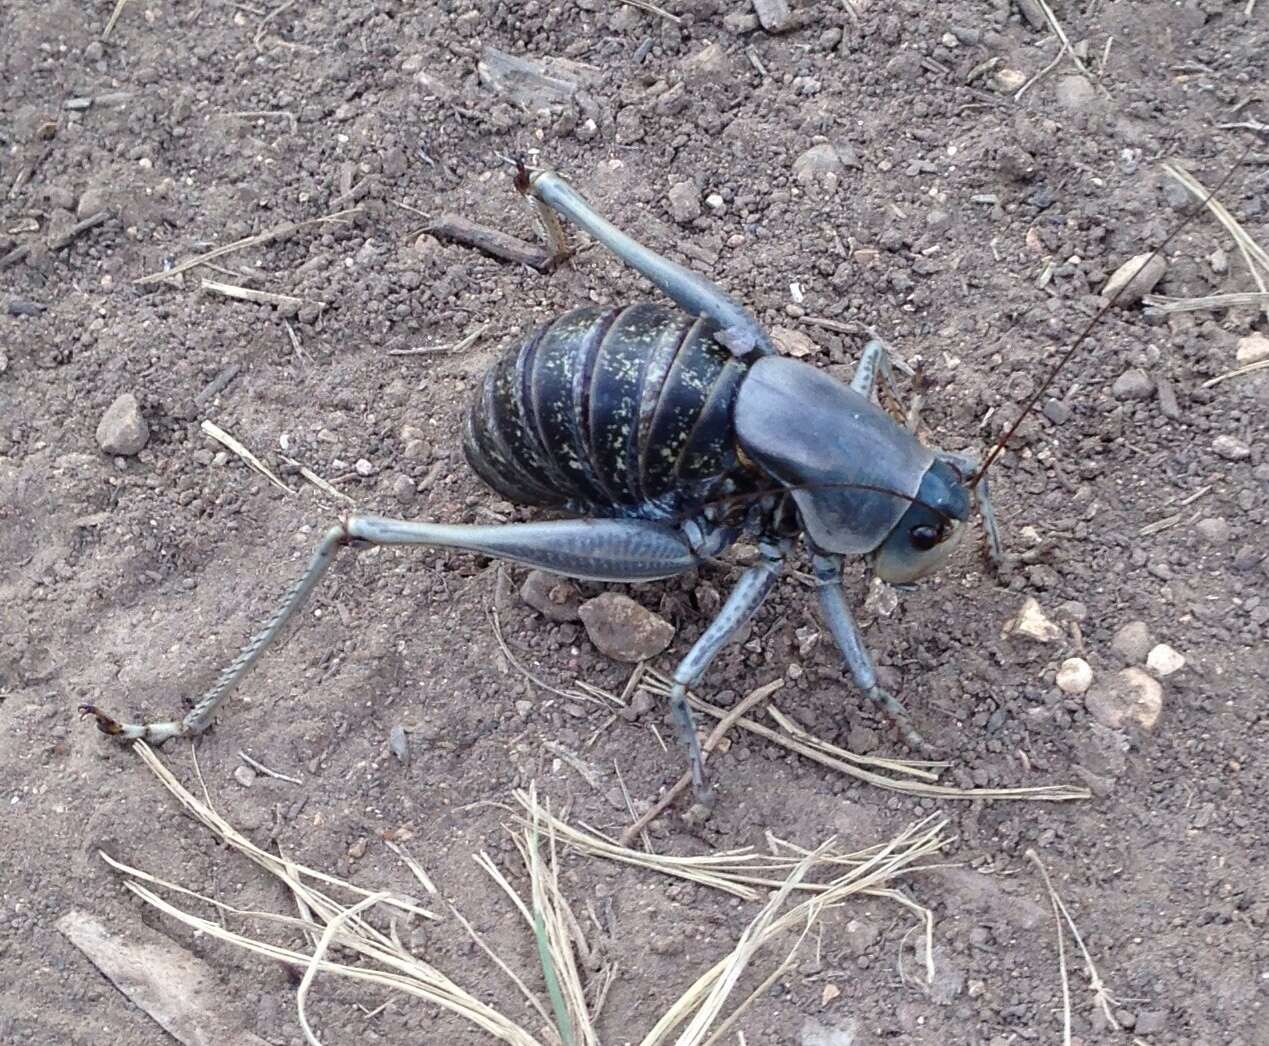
(1066, 356)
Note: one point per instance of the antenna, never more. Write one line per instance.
(1066, 356)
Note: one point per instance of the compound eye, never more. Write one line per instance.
(925, 537)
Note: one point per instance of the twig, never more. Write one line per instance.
(1245, 125)
(467, 341)
(317, 480)
(644, 5)
(494, 242)
(114, 17)
(278, 232)
(572, 695)
(63, 239)
(1250, 368)
(716, 735)
(419, 873)
(232, 290)
(221, 436)
(261, 768)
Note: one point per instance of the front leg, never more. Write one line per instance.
(593, 549)
(742, 603)
(967, 465)
(734, 325)
(841, 623)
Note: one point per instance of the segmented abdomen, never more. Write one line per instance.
(608, 410)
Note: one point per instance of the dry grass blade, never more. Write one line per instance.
(657, 684)
(221, 436)
(1255, 257)
(334, 927)
(1100, 992)
(893, 860)
(913, 768)
(114, 17)
(1256, 299)
(233, 290)
(1238, 372)
(278, 232)
(318, 481)
(274, 865)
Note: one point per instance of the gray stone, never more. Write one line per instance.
(1132, 642)
(122, 430)
(1134, 384)
(1231, 448)
(1137, 277)
(622, 629)
(1254, 348)
(684, 200)
(818, 163)
(774, 15)
(1074, 92)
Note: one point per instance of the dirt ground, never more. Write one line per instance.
(970, 227)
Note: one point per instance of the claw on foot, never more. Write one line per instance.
(105, 723)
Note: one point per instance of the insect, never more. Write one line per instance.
(670, 435)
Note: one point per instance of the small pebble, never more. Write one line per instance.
(1254, 348)
(820, 162)
(1136, 283)
(685, 202)
(792, 342)
(244, 775)
(403, 489)
(1132, 642)
(1030, 623)
(122, 430)
(622, 629)
(1163, 660)
(1075, 676)
(1057, 412)
(364, 468)
(774, 15)
(1133, 384)
(1074, 92)
(358, 849)
(1231, 448)
(399, 744)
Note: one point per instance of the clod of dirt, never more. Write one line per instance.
(1130, 696)
(122, 430)
(624, 630)
(813, 1033)
(1133, 384)
(1252, 349)
(1138, 276)
(685, 202)
(1163, 660)
(521, 81)
(554, 597)
(818, 163)
(1132, 642)
(1231, 448)
(1030, 623)
(245, 776)
(1074, 92)
(1075, 676)
(709, 63)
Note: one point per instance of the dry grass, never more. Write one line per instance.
(704, 1013)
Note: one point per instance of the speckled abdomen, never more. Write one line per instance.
(609, 411)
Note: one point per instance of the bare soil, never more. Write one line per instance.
(970, 228)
